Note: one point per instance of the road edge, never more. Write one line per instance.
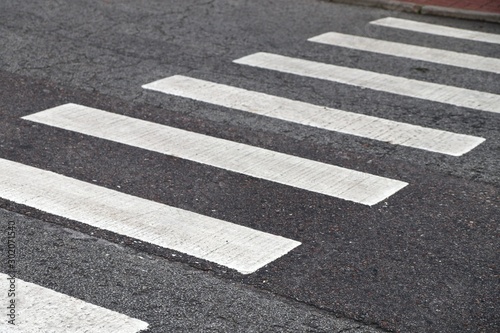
(411, 7)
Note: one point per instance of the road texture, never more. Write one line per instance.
(424, 260)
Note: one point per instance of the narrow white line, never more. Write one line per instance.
(439, 30)
(249, 160)
(38, 309)
(317, 116)
(224, 243)
(444, 57)
(382, 82)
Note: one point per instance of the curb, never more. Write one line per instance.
(425, 9)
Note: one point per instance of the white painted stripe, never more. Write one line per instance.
(444, 57)
(317, 116)
(38, 309)
(382, 82)
(224, 243)
(257, 162)
(439, 30)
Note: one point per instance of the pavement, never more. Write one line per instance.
(425, 260)
(480, 10)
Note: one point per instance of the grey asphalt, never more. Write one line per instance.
(170, 296)
(425, 260)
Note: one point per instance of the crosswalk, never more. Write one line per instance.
(438, 30)
(225, 243)
(430, 91)
(318, 116)
(32, 308)
(252, 161)
(444, 57)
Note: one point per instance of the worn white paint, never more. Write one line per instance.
(414, 52)
(382, 82)
(224, 243)
(42, 310)
(439, 30)
(245, 159)
(313, 115)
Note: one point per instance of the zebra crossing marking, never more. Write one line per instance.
(462, 97)
(261, 163)
(317, 116)
(39, 309)
(444, 57)
(227, 244)
(440, 30)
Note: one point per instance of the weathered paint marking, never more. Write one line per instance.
(439, 30)
(313, 115)
(245, 159)
(228, 244)
(39, 309)
(382, 82)
(444, 57)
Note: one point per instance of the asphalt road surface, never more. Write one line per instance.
(278, 233)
